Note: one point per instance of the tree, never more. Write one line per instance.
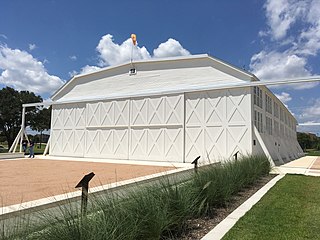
(308, 140)
(41, 121)
(11, 102)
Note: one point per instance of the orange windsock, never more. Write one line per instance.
(134, 39)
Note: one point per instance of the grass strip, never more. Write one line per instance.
(290, 210)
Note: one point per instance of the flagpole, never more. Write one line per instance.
(134, 41)
(131, 58)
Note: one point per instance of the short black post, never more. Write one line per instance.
(236, 156)
(84, 184)
(195, 162)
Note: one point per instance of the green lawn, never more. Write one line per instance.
(313, 153)
(290, 210)
(37, 148)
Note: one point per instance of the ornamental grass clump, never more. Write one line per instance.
(16, 228)
(214, 186)
(157, 211)
(153, 212)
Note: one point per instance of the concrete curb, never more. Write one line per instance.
(117, 161)
(10, 156)
(224, 226)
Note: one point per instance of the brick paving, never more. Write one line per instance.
(31, 179)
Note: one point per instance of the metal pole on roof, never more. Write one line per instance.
(131, 56)
(134, 42)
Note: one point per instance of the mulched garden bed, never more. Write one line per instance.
(199, 227)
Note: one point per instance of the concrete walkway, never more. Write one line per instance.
(308, 165)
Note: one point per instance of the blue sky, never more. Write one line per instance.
(44, 43)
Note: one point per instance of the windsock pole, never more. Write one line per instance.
(134, 42)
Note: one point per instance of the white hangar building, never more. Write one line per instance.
(172, 109)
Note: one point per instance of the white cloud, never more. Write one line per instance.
(23, 72)
(73, 58)
(89, 69)
(276, 65)
(73, 73)
(284, 97)
(311, 113)
(309, 129)
(86, 69)
(294, 29)
(3, 36)
(170, 48)
(311, 45)
(111, 53)
(262, 33)
(314, 110)
(32, 46)
(282, 14)
(309, 38)
(296, 21)
(281, 65)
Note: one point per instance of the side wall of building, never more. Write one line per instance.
(275, 125)
(176, 128)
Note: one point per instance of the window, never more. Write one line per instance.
(276, 128)
(258, 121)
(289, 123)
(257, 96)
(268, 104)
(286, 118)
(281, 130)
(276, 109)
(269, 125)
(281, 114)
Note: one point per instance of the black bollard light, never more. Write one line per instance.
(236, 156)
(195, 162)
(84, 184)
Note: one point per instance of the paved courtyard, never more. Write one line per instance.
(25, 180)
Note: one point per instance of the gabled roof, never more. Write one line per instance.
(154, 76)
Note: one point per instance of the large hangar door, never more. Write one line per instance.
(147, 128)
(107, 129)
(67, 130)
(217, 124)
(156, 128)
